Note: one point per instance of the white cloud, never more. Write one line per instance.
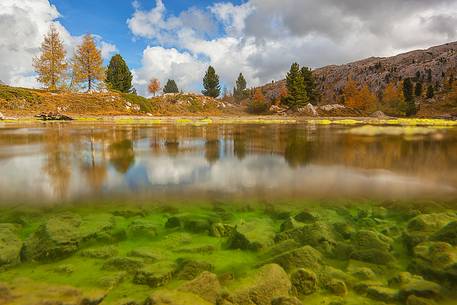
(23, 25)
(261, 38)
(107, 49)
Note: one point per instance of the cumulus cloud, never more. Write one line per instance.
(23, 24)
(261, 38)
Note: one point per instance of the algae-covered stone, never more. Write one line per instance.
(100, 252)
(142, 228)
(286, 301)
(154, 276)
(420, 288)
(447, 234)
(188, 269)
(289, 224)
(280, 248)
(121, 263)
(422, 227)
(206, 285)
(365, 239)
(363, 273)
(269, 282)
(362, 286)
(59, 237)
(238, 240)
(149, 255)
(414, 300)
(65, 269)
(111, 281)
(328, 273)
(304, 257)
(436, 260)
(221, 230)
(10, 246)
(165, 297)
(303, 281)
(373, 256)
(306, 216)
(173, 222)
(337, 287)
(382, 293)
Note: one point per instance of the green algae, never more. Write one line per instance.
(168, 246)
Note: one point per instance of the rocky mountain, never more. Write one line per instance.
(430, 66)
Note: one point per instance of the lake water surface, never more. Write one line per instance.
(70, 161)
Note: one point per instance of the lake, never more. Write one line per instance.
(64, 161)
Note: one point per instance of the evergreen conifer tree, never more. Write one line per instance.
(118, 75)
(240, 89)
(418, 89)
(211, 83)
(409, 97)
(171, 87)
(296, 88)
(310, 85)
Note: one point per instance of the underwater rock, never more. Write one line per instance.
(281, 247)
(111, 281)
(146, 254)
(173, 222)
(286, 301)
(206, 285)
(420, 288)
(241, 241)
(447, 234)
(319, 235)
(289, 224)
(269, 282)
(363, 273)
(121, 263)
(373, 256)
(142, 228)
(328, 273)
(58, 238)
(306, 216)
(436, 260)
(100, 252)
(337, 287)
(414, 300)
(221, 230)
(421, 227)
(197, 225)
(154, 276)
(165, 297)
(304, 257)
(10, 246)
(345, 229)
(362, 286)
(65, 269)
(189, 269)
(303, 281)
(365, 240)
(382, 293)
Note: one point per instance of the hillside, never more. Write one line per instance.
(26, 102)
(429, 66)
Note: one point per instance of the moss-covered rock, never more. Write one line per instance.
(10, 246)
(447, 234)
(111, 281)
(206, 285)
(146, 254)
(307, 216)
(373, 256)
(337, 287)
(59, 237)
(173, 222)
(221, 230)
(420, 288)
(121, 263)
(422, 227)
(286, 301)
(154, 276)
(304, 282)
(189, 269)
(365, 239)
(414, 300)
(142, 228)
(269, 282)
(383, 294)
(436, 260)
(363, 273)
(304, 257)
(103, 252)
(166, 297)
(281, 247)
(289, 224)
(362, 286)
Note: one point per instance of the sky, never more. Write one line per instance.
(178, 39)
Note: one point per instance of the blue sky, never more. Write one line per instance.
(108, 18)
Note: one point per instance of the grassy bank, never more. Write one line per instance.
(227, 253)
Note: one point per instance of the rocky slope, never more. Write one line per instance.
(430, 66)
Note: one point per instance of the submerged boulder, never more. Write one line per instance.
(121, 263)
(286, 301)
(422, 227)
(221, 230)
(268, 283)
(189, 269)
(142, 228)
(154, 275)
(303, 281)
(337, 287)
(304, 257)
(447, 234)
(59, 237)
(10, 246)
(206, 285)
(382, 293)
(100, 252)
(436, 260)
(165, 297)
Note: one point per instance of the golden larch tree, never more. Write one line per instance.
(50, 65)
(154, 86)
(88, 63)
(362, 99)
(393, 102)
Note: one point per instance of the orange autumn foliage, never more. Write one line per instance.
(362, 99)
(154, 86)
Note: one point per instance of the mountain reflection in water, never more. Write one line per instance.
(68, 161)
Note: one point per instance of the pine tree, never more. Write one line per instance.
(50, 65)
(240, 90)
(430, 91)
(88, 64)
(418, 89)
(211, 83)
(118, 75)
(296, 88)
(409, 97)
(171, 87)
(310, 84)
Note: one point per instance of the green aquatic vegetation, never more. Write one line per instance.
(129, 253)
(370, 130)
